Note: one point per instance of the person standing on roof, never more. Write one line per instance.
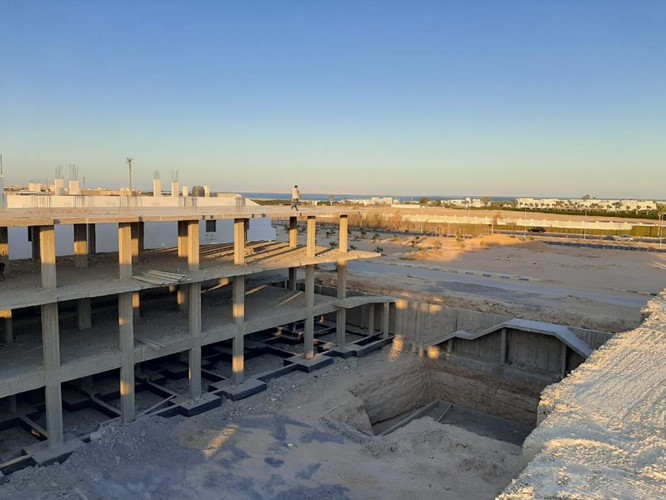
(295, 197)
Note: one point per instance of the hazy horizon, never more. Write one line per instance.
(506, 99)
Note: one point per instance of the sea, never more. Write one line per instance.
(342, 197)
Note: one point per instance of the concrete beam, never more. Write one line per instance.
(125, 251)
(238, 360)
(195, 333)
(47, 251)
(239, 242)
(309, 320)
(80, 245)
(312, 236)
(293, 232)
(126, 341)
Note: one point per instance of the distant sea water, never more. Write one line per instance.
(342, 197)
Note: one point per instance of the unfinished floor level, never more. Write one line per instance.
(73, 322)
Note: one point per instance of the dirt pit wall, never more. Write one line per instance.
(412, 382)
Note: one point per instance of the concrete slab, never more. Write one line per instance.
(189, 407)
(309, 365)
(42, 454)
(236, 392)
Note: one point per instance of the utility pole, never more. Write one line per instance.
(129, 165)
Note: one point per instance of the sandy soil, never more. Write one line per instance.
(587, 287)
(274, 445)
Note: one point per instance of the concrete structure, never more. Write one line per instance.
(124, 297)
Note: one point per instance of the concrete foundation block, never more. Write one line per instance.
(278, 372)
(309, 365)
(362, 350)
(236, 392)
(73, 399)
(15, 464)
(343, 352)
(189, 407)
(42, 454)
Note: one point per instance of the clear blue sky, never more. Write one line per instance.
(559, 97)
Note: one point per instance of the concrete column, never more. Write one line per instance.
(563, 359)
(54, 427)
(246, 228)
(193, 245)
(84, 314)
(371, 319)
(125, 251)
(309, 304)
(238, 361)
(312, 238)
(292, 278)
(344, 228)
(47, 251)
(4, 247)
(502, 353)
(182, 297)
(195, 332)
(157, 188)
(80, 245)
(136, 305)
(142, 236)
(8, 323)
(83, 309)
(33, 236)
(293, 232)
(293, 243)
(386, 318)
(239, 242)
(92, 239)
(53, 392)
(135, 242)
(126, 337)
(182, 238)
(341, 315)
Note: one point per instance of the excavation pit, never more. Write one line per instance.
(415, 388)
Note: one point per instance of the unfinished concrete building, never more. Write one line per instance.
(95, 336)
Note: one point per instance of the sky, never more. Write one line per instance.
(489, 98)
